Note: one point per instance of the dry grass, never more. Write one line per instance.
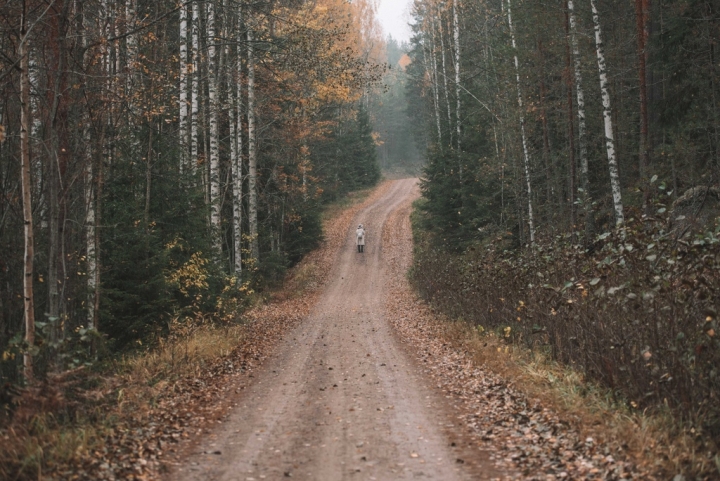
(650, 439)
(182, 356)
(45, 440)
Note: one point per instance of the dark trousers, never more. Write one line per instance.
(360, 248)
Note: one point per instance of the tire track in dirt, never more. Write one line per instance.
(340, 399)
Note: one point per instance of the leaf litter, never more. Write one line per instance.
(525, 439)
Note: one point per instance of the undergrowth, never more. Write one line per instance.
(634, 312)
(68, 415)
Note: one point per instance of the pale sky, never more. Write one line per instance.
(394, 16)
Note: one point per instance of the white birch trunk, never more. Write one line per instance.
(456, 37)
(582, 135)
(236, 125)
(183, 120)
(252, 154)
(131, 44)
(90, 235)
(607, 117)
(28, 264)
(214, 129)
(195, 91)
(91, 254)
(531, 224)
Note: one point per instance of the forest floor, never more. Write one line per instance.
(353, 377)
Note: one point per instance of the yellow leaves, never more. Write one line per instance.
(190, 276)
(377, 139)
(507, 331)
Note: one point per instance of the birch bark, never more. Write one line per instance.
(607, 118)
(183, 120)
(28, 264)
(582, 136)
(571, 123)
(214, 129)
(582, 131)
(526, 153)
(236, 132)
(195, 91)
(252, 154)
(90, 218)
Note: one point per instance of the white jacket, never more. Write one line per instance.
(360, 233)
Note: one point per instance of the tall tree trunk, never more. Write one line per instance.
(607, 117)
(183, 128)
(236, 139)
(213, 105)
(28, 273)
(441, 34)
(571, 121)
(57, 160)
(642, 13)
(456, 37)
(526, 153)
(430, 69)
(582, 134)
(252, 152)
(195, 91)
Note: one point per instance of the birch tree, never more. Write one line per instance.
(607, 119)
(195, 91)
(28, 262)
(582, 129)
(237, 152)
(252, 151)
(213, 106)
(526, 153)
(183, 119)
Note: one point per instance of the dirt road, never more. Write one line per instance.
(341, 399)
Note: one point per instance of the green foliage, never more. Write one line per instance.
(146, 248)
(346, 157)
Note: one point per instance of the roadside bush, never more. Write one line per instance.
(636, 310)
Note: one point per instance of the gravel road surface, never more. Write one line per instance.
(341, 398)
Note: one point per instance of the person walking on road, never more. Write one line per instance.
(360, 233)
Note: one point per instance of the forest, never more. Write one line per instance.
(164, 164)
(164, 161)
(570, 197)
